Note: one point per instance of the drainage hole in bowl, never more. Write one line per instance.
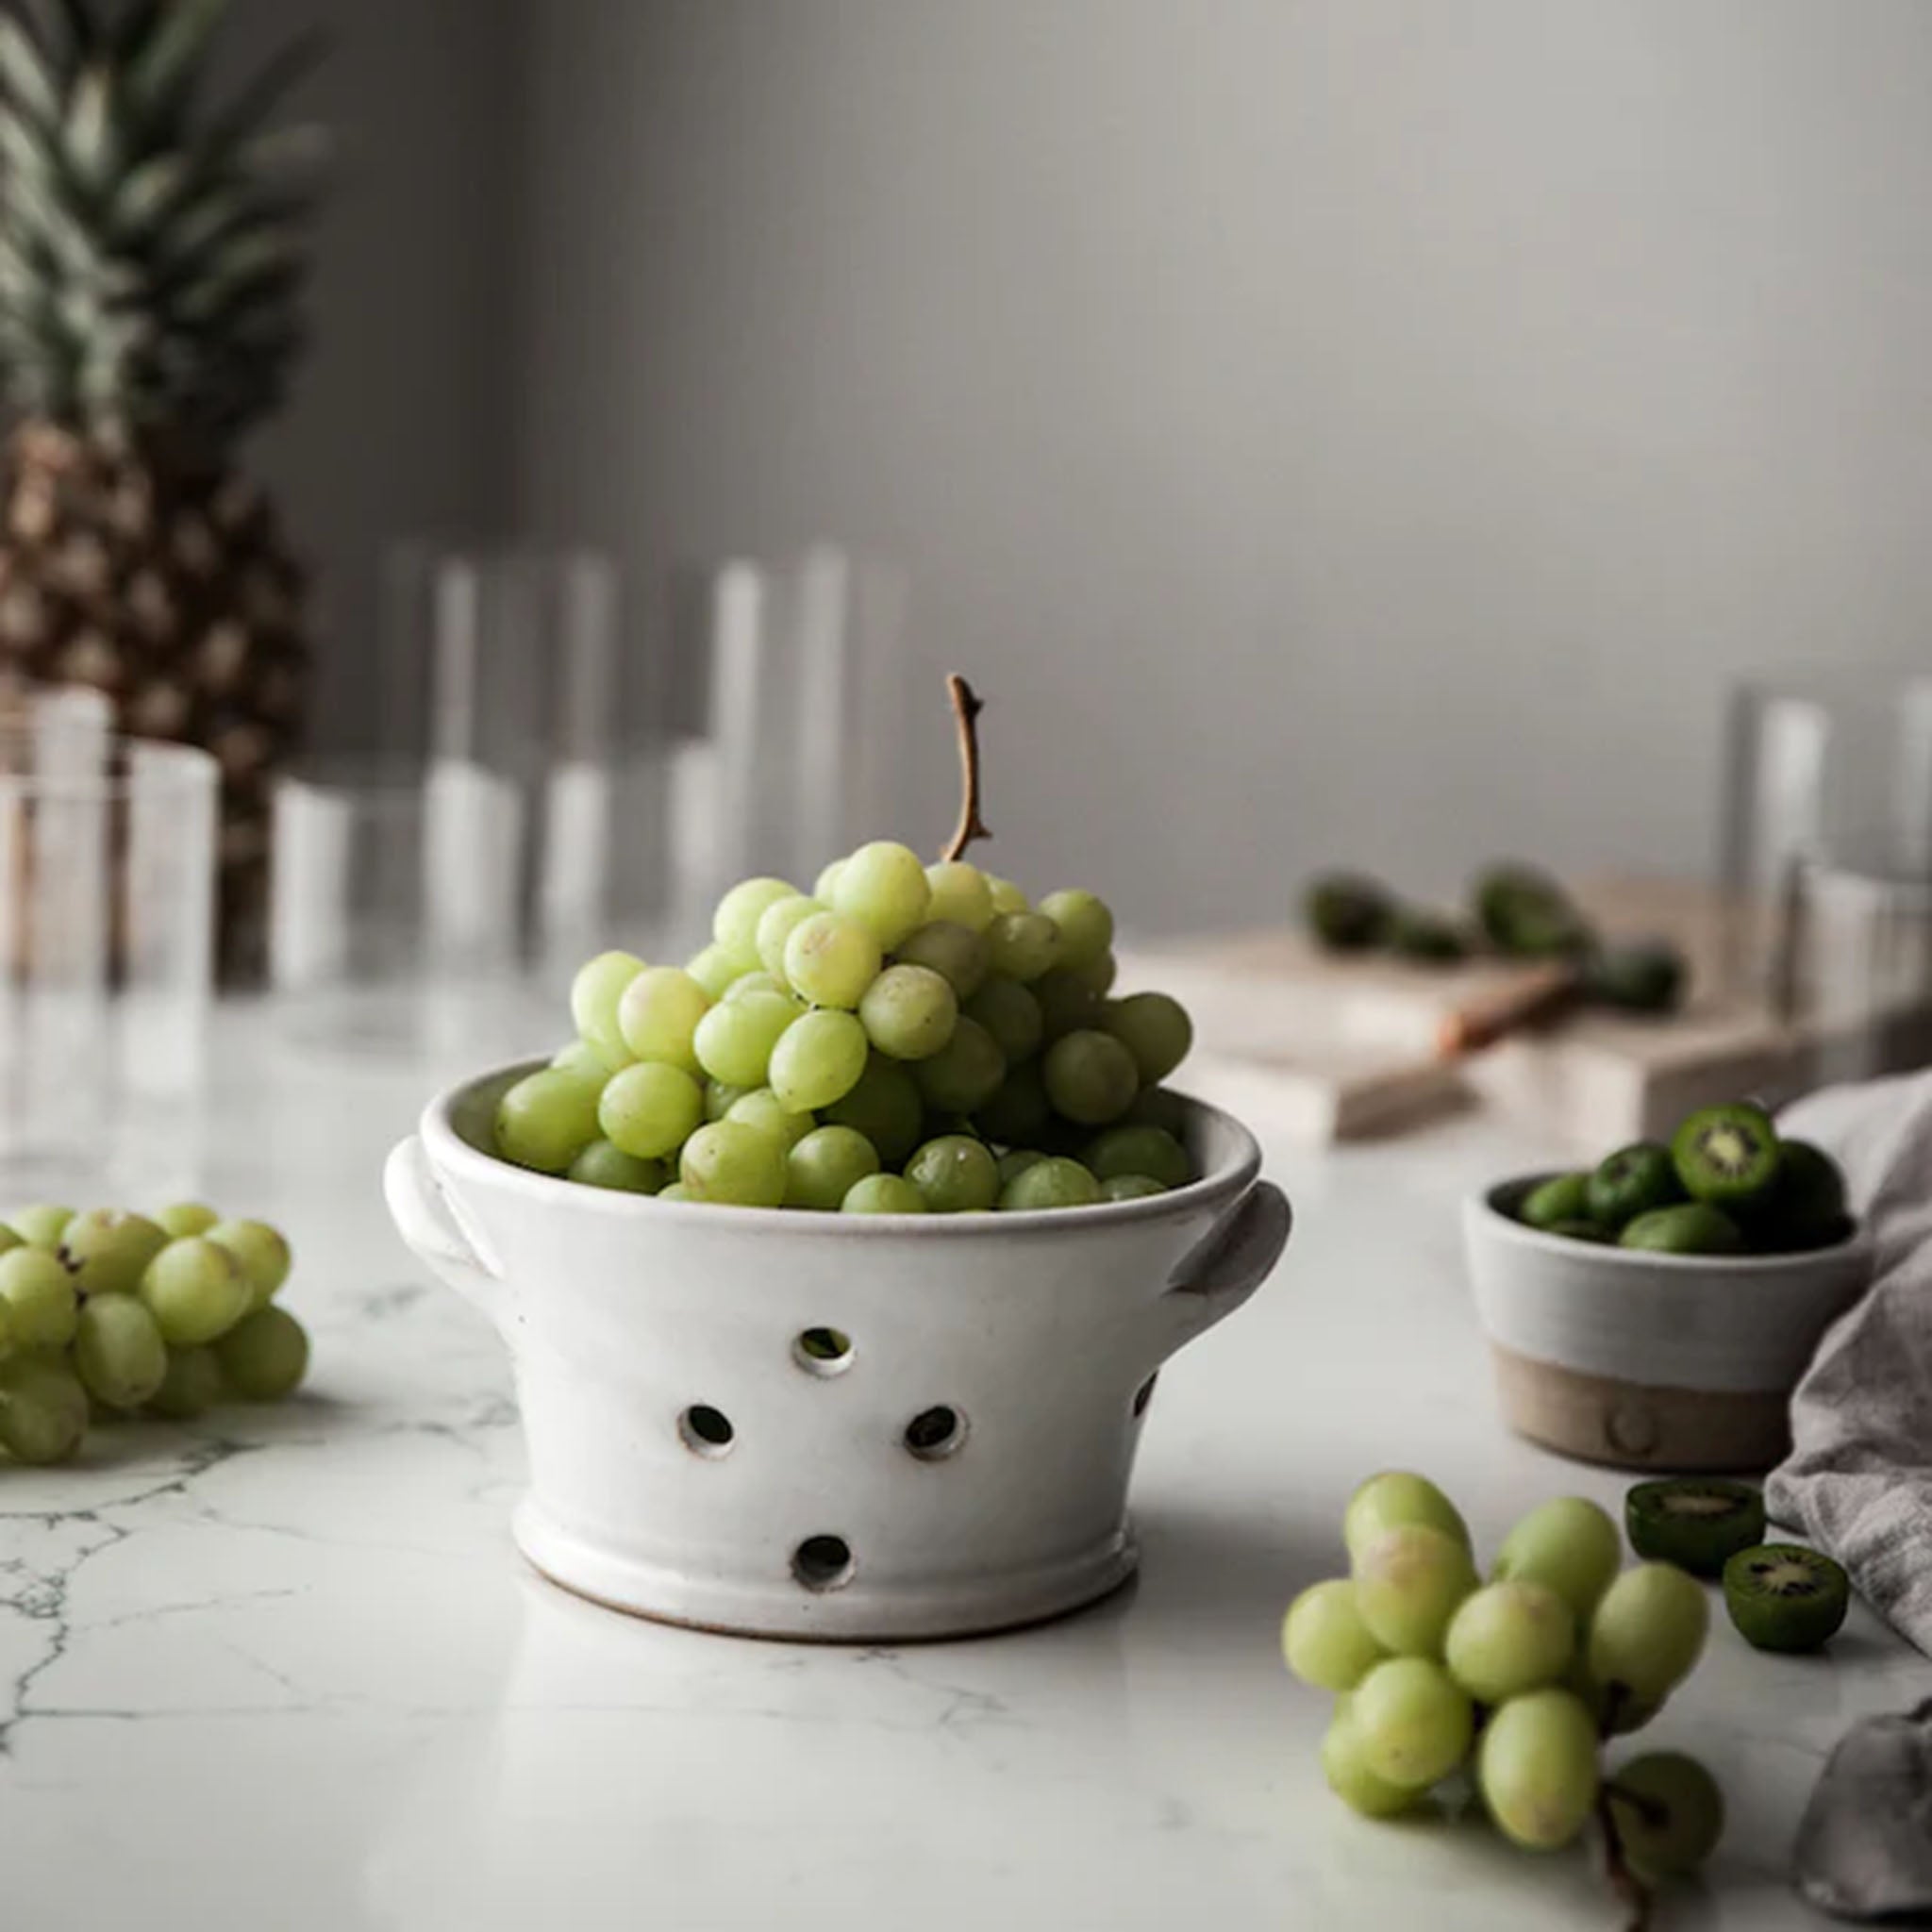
(934, 1434)
(706, 1431)
(823, 1352)
(1144, 1393)
(822, 1562)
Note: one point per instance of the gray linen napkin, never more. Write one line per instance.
(1858, 1479)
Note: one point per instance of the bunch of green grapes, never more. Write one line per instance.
(109, 1312)
(1519, 1681)
(904, 1039)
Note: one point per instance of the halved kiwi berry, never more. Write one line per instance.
(1782, 1597)
(1728, 1156)
(1692, 1227)
(1632, 1181)
(1563, 1197)
(1697, 1523)
(1348, 913)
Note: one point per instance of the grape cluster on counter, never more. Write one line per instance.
(1517, 1684)
(904, 1039)
(109, 1312)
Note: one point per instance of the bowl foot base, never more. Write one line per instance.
(1635, 1426)
(856, 1612)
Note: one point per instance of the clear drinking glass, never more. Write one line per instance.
(107, 910)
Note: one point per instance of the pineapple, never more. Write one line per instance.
(153, 265)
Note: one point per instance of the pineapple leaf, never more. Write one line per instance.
(151, 194)
(94, 137)
(162, 71)
(270, 86)
(80, 31)
(24, 73)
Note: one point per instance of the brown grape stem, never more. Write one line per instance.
(967, 706)
(1629, 1888)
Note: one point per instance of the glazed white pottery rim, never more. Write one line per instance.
(450, 1152)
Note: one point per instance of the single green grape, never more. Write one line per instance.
(1158, 1107)
(1154, 1029)
(825, 1166)
(734, 1165)
(1018, 1112)
(8, 1239)
(604, 1164)
(1098, 976)
(909, 1012)
(1648, 1631)
(1066, 1005)
(579, 1060)
(1415, 1725)
(1537, 1769)
(43, 1410)
(1049, 1183)
(1508, 1638)
(735, 1039)
(658, 1014)
(1349, 1776)
(191, 1385)
(593, 1001)
(1024, 946)
(1668, 1812)
(40, 1297)
(1139, 1150)
(714, 969)
(883, 1193)
(965, 1073)
(185, 1217)
(1010, 1013)
(734, 926)
(831, 958)
(761, 982)
(958, 954)
(1408, 1582)
(262, 1251)
(546, 1120)
(264, 1356)
(1091, 1077)
(776, 924)
(1086, 926)
(1323, 1639)
(1391, 1498)
(106, 1250)
(118, 1351)
(955, 1174)
(1131, 1187)
(828, 882)
(196, 1291)
(819, 1058)
(763, 1108)
(719, 1096)
(1016, 1162)
(1005, 897)
(676, 1191)
(1569, 1545)
(885, 1107)
(960, 894)
(884, 887)
(40, 1227)
(648, 1110)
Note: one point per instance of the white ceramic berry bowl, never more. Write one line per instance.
(1647, 1360)
(960, 1465)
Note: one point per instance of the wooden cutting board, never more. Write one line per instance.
(1348, 1044)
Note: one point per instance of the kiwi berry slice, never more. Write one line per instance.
(1806, 1205)
(1782, 1597)
(1691, 1227)
(1632, 1181)
(1348, 913)
(1697, 1523)
(1562, 1197)
(1728, 1156)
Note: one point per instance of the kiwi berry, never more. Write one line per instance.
(1782, 1597)
(1697, 1523)
(1691, 1227)
(1728, 1156)
(1633, 1181)
(1348, 913)
(1525, 913)
(1562, 1197)
(1805, 1206)
(1646, 977)
(1580, 1230)
(1431, 939)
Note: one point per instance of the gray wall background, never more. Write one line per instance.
(1328, 429)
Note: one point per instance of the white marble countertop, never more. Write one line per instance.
(286, 1669)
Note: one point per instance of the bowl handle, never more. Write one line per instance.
(424, 1220)
(1226, 1269)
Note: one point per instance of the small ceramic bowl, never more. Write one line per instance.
(857, 1428)
(1643, 1360)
